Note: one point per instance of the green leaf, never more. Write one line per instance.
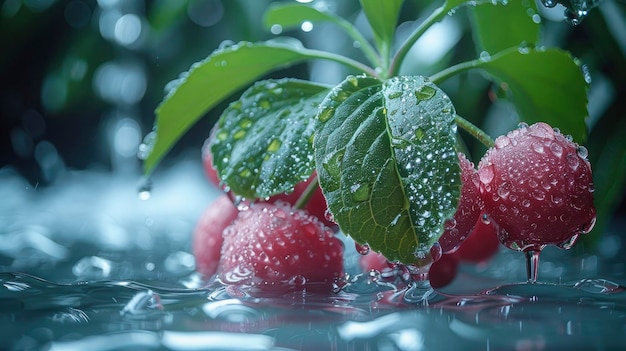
(262, 144)
(382, 16)
(386, 162)
(292, 15)
(208, 82)
(497, 27)
(544, 85)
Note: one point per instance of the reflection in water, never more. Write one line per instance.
(118, 274)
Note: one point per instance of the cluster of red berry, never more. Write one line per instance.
(533, 188)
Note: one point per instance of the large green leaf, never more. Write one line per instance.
(263, 141)
(544, 85)
(497, 27)
(208, 82)
(386, 161)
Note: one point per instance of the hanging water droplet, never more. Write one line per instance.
(145, 189)
(485, 219)
(549, 3)
(145, 148)
(363, 249)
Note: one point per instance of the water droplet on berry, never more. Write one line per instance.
(526, 203)
(582, 152)
(588, 227)
(504, 190)
(297, 280)
(567, 244)
(539, 195)
(538, 147)
(556, 149)
(450, 224)
(533, 183)
(363, 249)
(502, 141)
(329, 216)
(573, 161)
(486, 174)
(485, 219)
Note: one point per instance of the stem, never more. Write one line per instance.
(443, 75)
(307, 193)
(318, 54)
(434, 17)
(473, 130)
(367, 49)
(532, 265)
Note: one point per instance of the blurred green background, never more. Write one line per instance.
(80, 79)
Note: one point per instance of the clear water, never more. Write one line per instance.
(87, 265)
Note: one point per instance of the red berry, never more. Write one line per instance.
(274, 248)
(480, 245)
(443, 271)
(460, 226)
(207, 236)
(375, 261)
(537, 187)
(317, 202)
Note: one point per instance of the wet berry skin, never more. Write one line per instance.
(470, 204)
(207, 235)
(537, 188)
(481, 245)
(272, 248)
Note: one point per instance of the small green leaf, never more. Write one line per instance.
(386, 161)
(497, 27)
(291, 15)
(544, 85)
(382, 16)
(208, 82)
(262, 144)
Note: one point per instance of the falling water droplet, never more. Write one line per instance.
(145, 189)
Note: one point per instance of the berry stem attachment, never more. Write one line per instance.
(473, 130)
(532, 265)
(306, 194)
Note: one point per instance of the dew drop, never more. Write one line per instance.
(582, 152)
(573, 161)
(362, 249)
(539, 195)
(274, 145)
(425, 92)
(556, 149)
(502, 141)
(538, 148)
(325, 114)
(485, 219)
(549, 3)
(504, 189)
(145, 189)
(394, 95)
